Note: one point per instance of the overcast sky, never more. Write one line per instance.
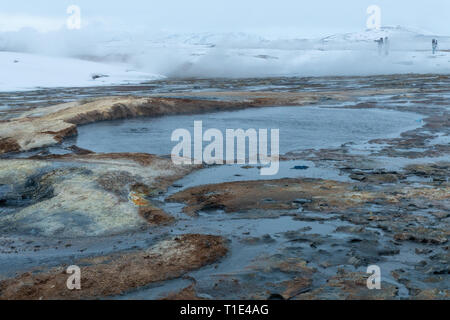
(268, 17)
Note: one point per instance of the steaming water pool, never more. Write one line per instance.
(300, 128)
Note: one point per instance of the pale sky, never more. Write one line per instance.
(282, 17)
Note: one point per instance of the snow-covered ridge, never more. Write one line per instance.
(397, 32)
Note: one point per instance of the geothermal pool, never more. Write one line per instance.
(300, 128)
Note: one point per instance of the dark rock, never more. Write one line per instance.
(302, 201)
(300, 168)
(275, 296)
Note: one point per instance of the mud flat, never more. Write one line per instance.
(165, 260)
(141, 227)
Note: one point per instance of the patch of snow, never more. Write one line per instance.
(23, 71)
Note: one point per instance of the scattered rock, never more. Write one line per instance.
(423, 235)
(350, 286)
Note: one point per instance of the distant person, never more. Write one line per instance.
(386, 46)
(380, 45)
(434, 45)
